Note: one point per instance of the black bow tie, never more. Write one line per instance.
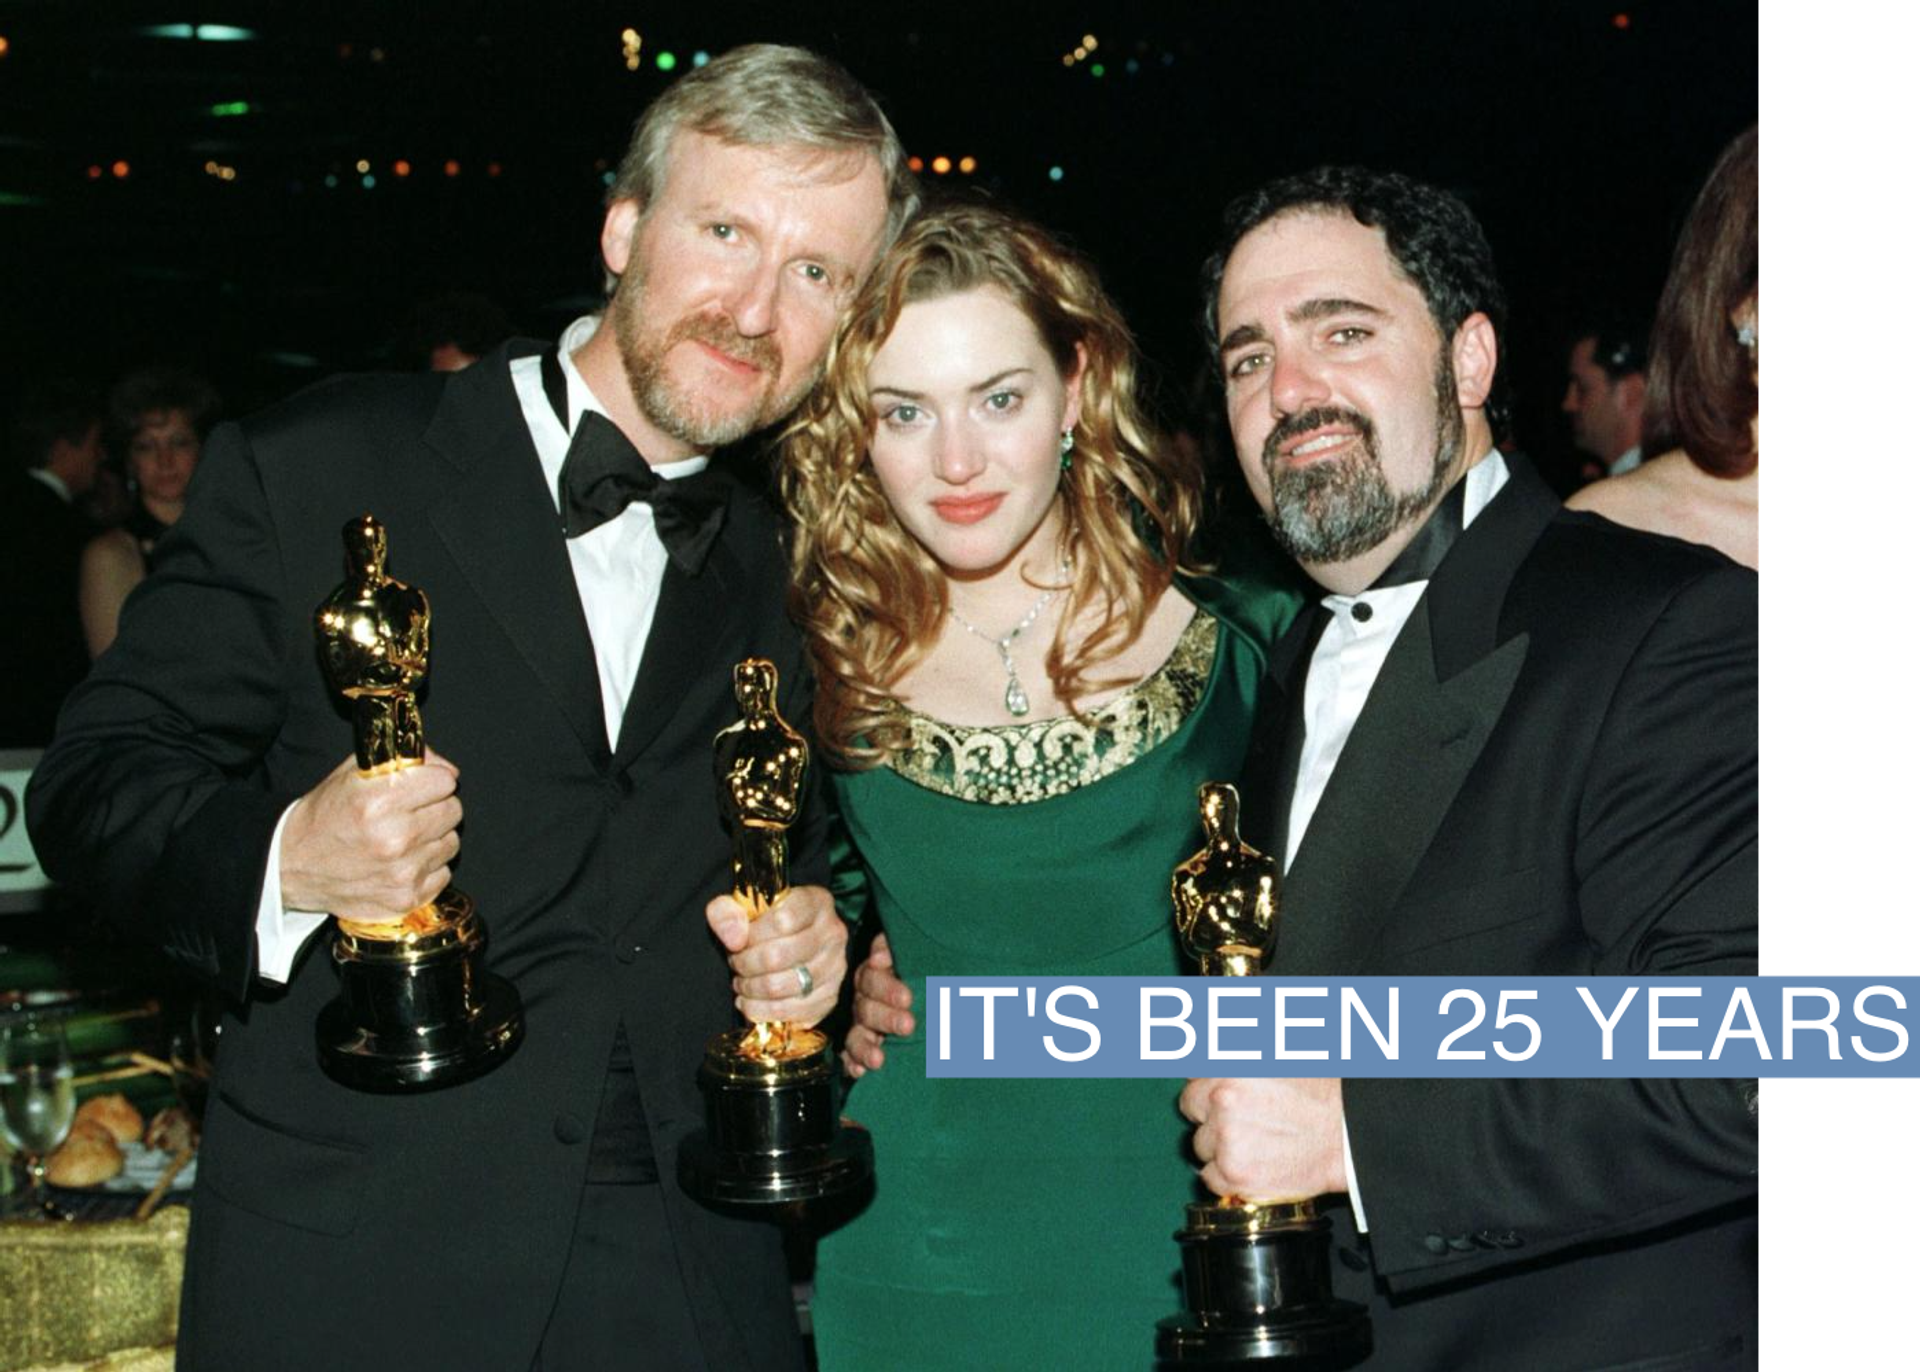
(604, 473)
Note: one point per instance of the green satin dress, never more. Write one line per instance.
(1029, 1224)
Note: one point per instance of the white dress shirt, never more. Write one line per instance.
(617, 569)
(1624, 463)
(1345, 664)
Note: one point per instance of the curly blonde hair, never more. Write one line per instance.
(869, 597)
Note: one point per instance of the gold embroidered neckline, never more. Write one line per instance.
(1016, 764)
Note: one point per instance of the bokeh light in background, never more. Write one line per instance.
(1579, 131)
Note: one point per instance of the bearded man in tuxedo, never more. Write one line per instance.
(1513, 740)
(582, 663)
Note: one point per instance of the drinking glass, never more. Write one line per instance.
(36, 1100)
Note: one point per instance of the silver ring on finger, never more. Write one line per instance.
(806, 980)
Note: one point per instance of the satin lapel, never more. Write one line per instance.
(1469, 592)
(1273, 755)
(1409, 752)
(497, 519)
(694, 616)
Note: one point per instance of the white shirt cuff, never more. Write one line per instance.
(280, 933)
(1353, 1182)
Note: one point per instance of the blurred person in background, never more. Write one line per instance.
(1606, 397)
(157, 419)
(449, 333)
(57, 441)
(1703, 379)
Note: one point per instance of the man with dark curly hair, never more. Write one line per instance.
(1513, 741)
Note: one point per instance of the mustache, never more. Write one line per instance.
(1293, 426)
(718, 331)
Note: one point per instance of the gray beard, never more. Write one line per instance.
(668, 407)
(1335, 511)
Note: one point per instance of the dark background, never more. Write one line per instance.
(1579, 132)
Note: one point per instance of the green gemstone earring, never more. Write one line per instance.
(1066, 451)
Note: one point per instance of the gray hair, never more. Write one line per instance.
(767, 95)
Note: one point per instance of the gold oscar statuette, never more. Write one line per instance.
(773, 1132)
(417, 1008)
(1257, 1274)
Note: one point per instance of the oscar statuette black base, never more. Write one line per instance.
(773, 1131)
(418, 1014)
(1258, 1287)
(726, 1178)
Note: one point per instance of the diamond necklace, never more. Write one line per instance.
(1016, 697)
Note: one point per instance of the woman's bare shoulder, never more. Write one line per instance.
(111, 549)
(1642, 498)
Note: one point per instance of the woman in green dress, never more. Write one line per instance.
(1021, 685)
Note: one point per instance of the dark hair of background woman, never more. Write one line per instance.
(1701, 393)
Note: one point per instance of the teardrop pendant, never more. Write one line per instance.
(1017, 704)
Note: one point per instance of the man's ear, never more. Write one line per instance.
(616, 234)
(1632, 390)
(1476, 354)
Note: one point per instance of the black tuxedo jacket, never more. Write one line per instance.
(337, 1229)
(1555, 774)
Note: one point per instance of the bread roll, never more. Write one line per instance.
(88, 1157)
(92, 1129)
(116, 1114)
